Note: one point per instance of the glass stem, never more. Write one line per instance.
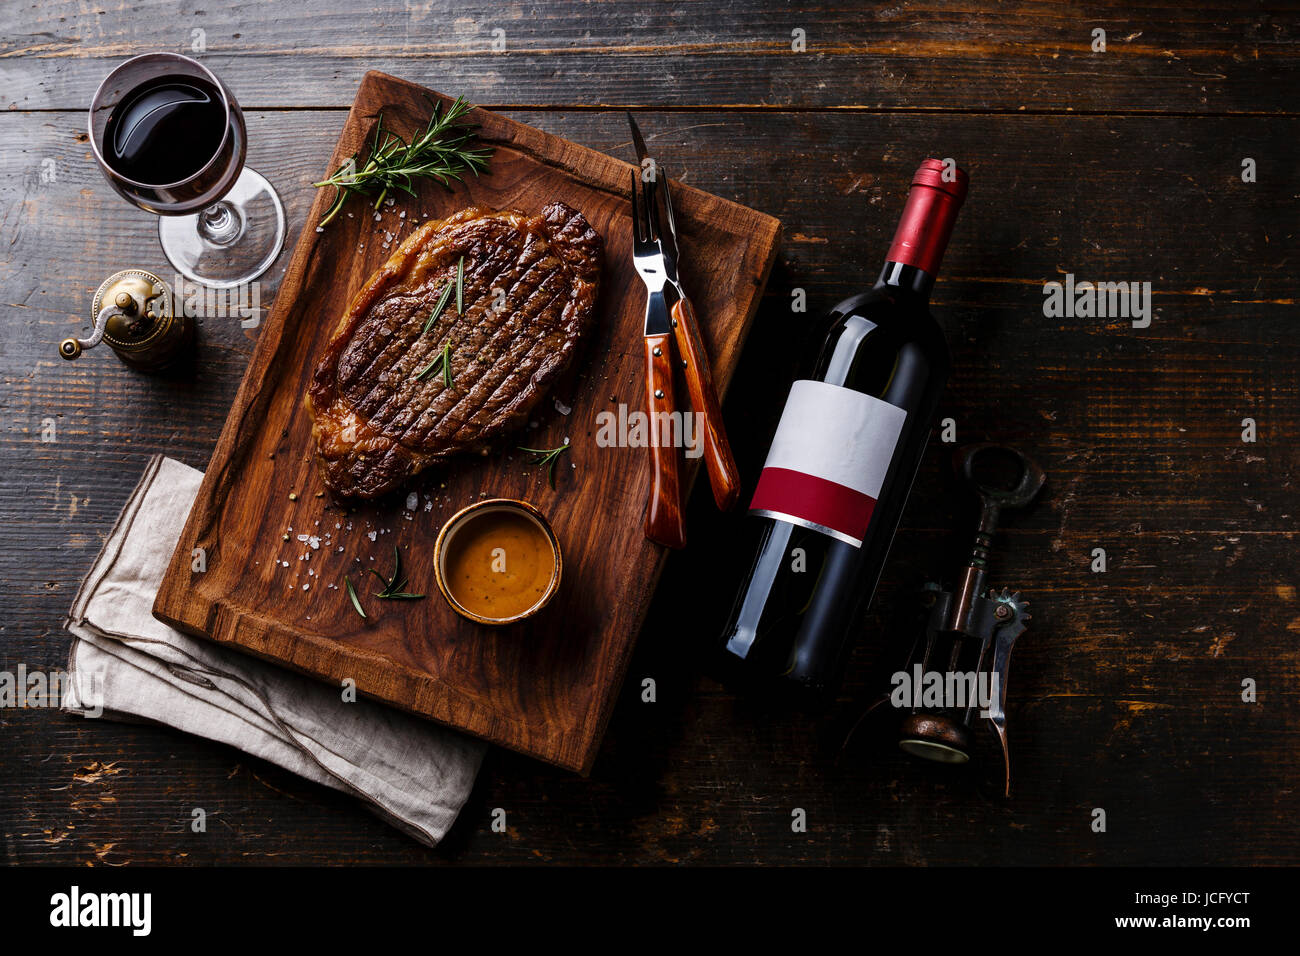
(221, 224)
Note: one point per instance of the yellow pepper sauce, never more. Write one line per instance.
(499, 564)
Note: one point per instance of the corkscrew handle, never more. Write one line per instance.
(992, 500)
(1030, 482)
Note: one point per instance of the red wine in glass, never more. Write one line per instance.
(170, 138)
(142, 131)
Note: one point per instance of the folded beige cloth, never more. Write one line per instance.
(127, 664)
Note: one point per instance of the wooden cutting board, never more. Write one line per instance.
(546, 686)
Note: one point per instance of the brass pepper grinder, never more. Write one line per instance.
(135, 313)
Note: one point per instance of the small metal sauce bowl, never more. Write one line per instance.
(459, 520)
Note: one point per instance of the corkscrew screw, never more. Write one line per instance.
(969, 633)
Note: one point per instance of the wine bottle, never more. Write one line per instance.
(844, 456)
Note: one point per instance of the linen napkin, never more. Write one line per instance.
(125, 664)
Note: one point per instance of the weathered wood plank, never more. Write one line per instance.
(937, 54)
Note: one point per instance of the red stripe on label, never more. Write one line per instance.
(814, 499)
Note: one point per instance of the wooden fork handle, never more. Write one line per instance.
(724, 476)
(665, 521)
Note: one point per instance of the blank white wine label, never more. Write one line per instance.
(828, 460)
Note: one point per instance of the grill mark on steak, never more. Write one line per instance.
(368, 402)
(504, 333)
(462, 412)
(374, 423)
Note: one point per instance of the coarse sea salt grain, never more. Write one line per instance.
(372, 535)
(412, 501)
(314, 542)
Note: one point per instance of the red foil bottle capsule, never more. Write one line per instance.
(938, 190)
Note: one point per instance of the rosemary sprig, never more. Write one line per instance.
(437, 309)
(441, 152)
(445, 358)
(393, 586)
(548, 457)
(460, 286)
(425, 371)
(352, 593)
(446, 365)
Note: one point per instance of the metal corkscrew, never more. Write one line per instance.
(972, 630)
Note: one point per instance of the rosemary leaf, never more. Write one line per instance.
(425, 371)
(437, 309)
(393, 582)
(352, 593)
(460, 286)
(548, 457)
(392, 590)
(446, 365)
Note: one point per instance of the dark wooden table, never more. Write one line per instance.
(1117, 165)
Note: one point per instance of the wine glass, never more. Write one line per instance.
(170, 138)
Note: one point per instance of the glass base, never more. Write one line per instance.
(231, 242)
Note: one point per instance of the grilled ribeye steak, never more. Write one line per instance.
(528, 294)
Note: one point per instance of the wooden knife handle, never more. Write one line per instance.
(665, 522)
(724, 476)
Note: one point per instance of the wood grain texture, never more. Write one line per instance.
(543, 686)
(932, 55)
(1126, 691)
